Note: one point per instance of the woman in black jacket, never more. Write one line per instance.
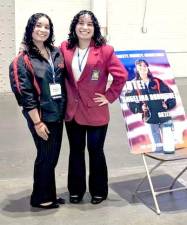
(153, 99)
(38, 74)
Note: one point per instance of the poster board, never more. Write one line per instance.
(154, 95)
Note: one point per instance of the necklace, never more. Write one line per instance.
(45, 53)
(81, 61)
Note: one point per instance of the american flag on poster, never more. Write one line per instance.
(139, 136)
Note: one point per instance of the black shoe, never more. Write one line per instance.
(75, 199)
(60, 201)
(97, 199)
(52, 205)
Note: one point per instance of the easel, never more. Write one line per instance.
(180, 154)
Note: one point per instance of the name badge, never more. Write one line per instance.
(55, 91)
(95, 75)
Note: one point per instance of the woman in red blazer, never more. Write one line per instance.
(89, 61)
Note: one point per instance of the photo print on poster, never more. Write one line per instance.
(151, 104)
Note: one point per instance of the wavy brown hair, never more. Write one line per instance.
(28, 40)
(98, 39)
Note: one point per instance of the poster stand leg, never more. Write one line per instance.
(161, 190)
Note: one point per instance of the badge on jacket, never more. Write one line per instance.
(55, 90)
(95, 75)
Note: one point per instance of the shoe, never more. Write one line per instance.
(75, 199)
(97, 199)
(60, 201)
(52, 205)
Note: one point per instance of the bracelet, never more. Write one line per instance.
(38, 123)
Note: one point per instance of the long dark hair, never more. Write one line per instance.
(28, 40)
(97, 37)
(149, 74)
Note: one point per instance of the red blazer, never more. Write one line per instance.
(100, 63)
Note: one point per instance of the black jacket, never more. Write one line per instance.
(153, 95)
(51, 110)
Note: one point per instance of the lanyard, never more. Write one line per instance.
(81, 61)
(52, 67)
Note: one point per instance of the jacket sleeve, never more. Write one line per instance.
(28, 92)
(170, 102)
(119, 74)
(134, 106)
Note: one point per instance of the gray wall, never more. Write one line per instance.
(7, 41)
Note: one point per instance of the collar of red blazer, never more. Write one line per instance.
(92, 47)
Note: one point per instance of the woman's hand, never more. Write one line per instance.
(101, 99)
(42, 131)
(164, 105)
(144, 108)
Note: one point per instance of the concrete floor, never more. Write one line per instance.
(17, 153)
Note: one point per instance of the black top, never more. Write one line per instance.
(153, 95)
(51, 109)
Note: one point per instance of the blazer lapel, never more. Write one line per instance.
(91, 61)
(69, 56)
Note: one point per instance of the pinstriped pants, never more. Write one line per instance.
(44, 187)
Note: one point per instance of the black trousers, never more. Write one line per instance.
(44, 186)
(98, 175)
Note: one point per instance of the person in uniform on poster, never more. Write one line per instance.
(154, 99)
